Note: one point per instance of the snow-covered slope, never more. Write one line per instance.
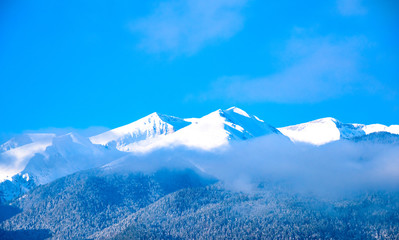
(43, 161)
(24, 139)
(51, 159)
(145, 128)
(20, 150)
(325, 130)
(211, 131)
(68, 154)
(373, 128)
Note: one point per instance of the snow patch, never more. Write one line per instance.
(238, 111)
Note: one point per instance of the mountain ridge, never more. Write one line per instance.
(326, 130)
(147, 127)
(32, 159)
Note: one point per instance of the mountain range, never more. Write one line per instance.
(33, 159)
(142, 180)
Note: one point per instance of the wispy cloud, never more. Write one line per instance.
(87, 132)
(185, 26)
(351, 7)
(318, 68)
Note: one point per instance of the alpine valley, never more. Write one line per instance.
(226, 175)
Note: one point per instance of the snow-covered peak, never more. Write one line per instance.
(67, 154)
(40, 155)
(15, 159)
(42, 146)
(321, 131)
(325, 130)
(238, 111)
(72, 138)
(150, 126)
(211, 131)
(41, 158)
(373, 128)
(43, 161)
(326, 120)
(24, 139)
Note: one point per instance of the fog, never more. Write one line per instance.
(335, 168)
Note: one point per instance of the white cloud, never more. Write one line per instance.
(351, 7)
(320, 68)
(87, 132)
(335, 168)
(185, 26)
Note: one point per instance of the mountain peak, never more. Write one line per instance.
(238, 111)
(25, 139)
(322, 131)
(154, 114)
(147, 127)
(316, 132)
(211, 131)
(325, 120)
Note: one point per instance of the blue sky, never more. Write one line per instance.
(107, 63)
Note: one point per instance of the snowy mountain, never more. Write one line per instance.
(212, 131)
(325, 130)
(48, 157)
(145, 128)
(41, 162)
(116, 184)
(35, 159)
(20, 150)
(68, 154)
(29, 160)
(24, 139)
(373, 128)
